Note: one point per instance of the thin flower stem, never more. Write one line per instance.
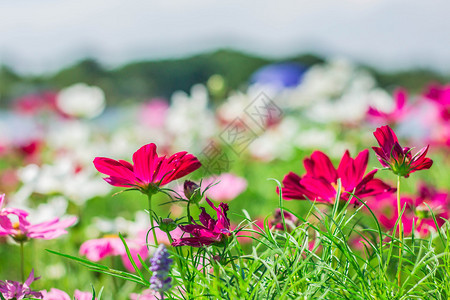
(400, 234)
(150, 213)
(189, 212)
(22, 265)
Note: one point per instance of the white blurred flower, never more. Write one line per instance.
(64, 177)
(81, 100)
(276, 141)
(101, 226)
(189, 120)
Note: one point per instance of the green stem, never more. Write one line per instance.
(400, 234)
(180, 265)
(22, 265)
(189, 212)
(150, 214)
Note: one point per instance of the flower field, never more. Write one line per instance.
(304, 183)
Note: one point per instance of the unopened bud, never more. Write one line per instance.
(167, 225)
(192, 191)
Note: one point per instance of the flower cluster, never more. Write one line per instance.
(160, 265)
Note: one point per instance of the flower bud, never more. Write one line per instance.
(167, 225)
(192, 191)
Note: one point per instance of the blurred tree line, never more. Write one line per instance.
(139, 81)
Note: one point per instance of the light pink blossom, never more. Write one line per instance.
(23, 230)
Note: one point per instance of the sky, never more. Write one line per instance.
(42, 36)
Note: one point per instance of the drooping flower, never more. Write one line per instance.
(148, 171)
(160, 265)
(17, 291)
(23, 230)
(210, 232)
(400, 160)
(396, 114)
(320, 183)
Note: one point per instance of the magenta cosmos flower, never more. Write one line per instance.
(16, 290)
(148, 171)
(211, 232)
(22, 230)
(320, 183)
(397, 114)
(400, 160)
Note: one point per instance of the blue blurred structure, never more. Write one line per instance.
(280, 75)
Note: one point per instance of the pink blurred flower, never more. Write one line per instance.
(36, 103)
(97, 249)
(17, 291)
(23, 230)
(149, 171)
(224, 187)
(321, 179)
(55, 294)
(417, 210)
(144, 295)
(228, 186)
(210, 232)
(400, 160)
(80, 295)
(247, 234)
(111, 245)
(396, 115)
(154, 113)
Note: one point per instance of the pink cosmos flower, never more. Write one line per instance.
(23, 230)
(55, 294)
(228, 186)
(145, 295)
(321, 179)
(154, 113)
(16, 290)
(210, 232)
(417, 210)
(80, 295)
(397, 114)
(149, 171)
(400, 160)
(97, 249)
(111, 245)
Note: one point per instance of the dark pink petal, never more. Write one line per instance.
(388, 141)
(143, 160)
(381, 156)
(320, 187)
(204, 218)
(351, 171)
(113, 168)
(400, 96)
(319, 165)
(292, 189)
